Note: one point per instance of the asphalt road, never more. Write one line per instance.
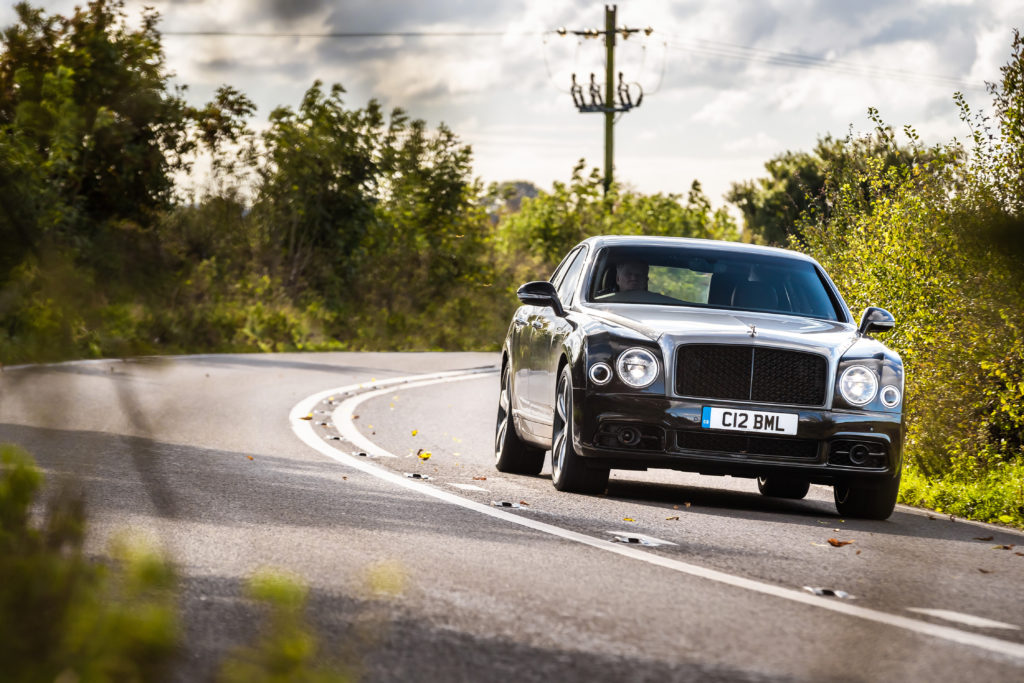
(206, 456)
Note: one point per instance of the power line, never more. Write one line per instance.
(354, 34)
(699, 46)
(790, 59)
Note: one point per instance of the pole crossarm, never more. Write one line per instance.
(617, 98)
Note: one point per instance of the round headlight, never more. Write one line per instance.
(637, 367)
(890, 396)
(858, 385)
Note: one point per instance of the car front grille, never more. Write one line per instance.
(804, 449)
(749, 373)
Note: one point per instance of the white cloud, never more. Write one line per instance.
(725, 108)
(759, 142)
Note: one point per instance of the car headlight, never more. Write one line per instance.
(637, 367)
(858, 385)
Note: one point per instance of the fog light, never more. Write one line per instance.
(859, 454)
(890, 396)
(629, 436)
(600, 373)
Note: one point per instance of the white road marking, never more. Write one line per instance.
(468, 487)
(965, 619)
(305, 432)
(344, 412)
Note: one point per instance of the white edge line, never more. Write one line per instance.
(342, 416)
(963, 618)
(304, 430)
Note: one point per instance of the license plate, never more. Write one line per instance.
(748, 421)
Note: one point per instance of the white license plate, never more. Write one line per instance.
(748, 421)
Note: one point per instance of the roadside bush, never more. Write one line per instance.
(286, 651)
(928, 241)
(63, 616)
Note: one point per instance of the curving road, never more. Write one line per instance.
(208, 456)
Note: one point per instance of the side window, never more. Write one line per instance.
(570, 277)
(556, 277)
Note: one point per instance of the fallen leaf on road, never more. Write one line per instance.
(344, 478)
(1002, 547)
(858, 552)
(984, 571)
(523, 502)
(628, 519)
(479, 478)
(425, 455)
(249, 456)
(307, 417)
(355, 417)
(836, 543)
(983, 538)
(671, 518)
(1021, 554)
(415, 432)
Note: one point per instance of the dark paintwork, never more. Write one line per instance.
(540, 341)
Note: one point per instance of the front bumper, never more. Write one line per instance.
(670, 436)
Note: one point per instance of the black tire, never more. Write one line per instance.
(867, 501)
(569, 472)
(783, 487)
(511, 454)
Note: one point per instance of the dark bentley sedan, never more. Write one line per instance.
(712, 357)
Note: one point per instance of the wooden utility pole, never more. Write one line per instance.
(609, 94)
(617, 99)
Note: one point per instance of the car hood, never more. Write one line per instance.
(692, 325)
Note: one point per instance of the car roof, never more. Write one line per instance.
(692, 243)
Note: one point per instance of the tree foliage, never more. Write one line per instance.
(928, 240)
(774, 207)
(548, 225)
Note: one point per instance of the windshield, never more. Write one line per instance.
(708, 278)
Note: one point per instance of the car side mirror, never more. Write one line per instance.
(876, 320)
(541, 293)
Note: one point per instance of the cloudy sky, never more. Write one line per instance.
(728, 83)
